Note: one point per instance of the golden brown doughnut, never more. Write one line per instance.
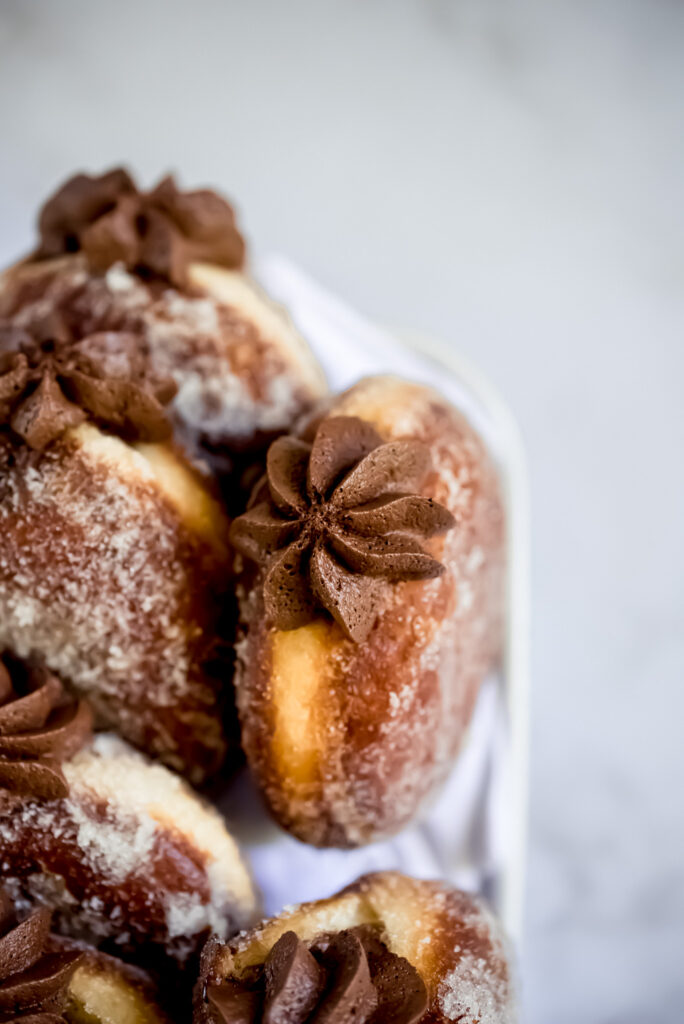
(112, 557)
(387, 950)
(123, 851)
(370, 608)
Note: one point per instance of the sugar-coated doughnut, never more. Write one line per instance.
(370, 603)
(113, 556)
(387, 950)
(130, 859)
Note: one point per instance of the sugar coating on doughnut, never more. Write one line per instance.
(451, 938)
(123, 817)
(257, 396)
(389, 712)
(477, 988)
(155, 798)
(106, 493)
(240, 367)
(106, 554)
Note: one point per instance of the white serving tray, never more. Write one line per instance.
(474, 835)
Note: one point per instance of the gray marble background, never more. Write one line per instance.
(506, 175)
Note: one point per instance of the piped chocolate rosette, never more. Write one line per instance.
(157, 234)
(371, 587)
(33, 981)
(53, 379)
(335, 520)
(40, 727)
(389, 949)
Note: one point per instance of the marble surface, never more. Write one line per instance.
(506, 175)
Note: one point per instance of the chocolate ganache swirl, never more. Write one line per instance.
(33, 980)
(40, 727)
(52, 379)
(349, 977)
(335, 521)
(154, 234)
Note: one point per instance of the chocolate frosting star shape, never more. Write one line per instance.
(154, 234)
(40, 727)
(336, 521)
(33, 979)
(51, 381)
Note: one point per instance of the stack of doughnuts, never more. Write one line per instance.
(205, 558)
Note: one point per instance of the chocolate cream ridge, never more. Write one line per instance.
(347, 975)
(40, 728)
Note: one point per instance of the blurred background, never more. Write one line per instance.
(508, 177)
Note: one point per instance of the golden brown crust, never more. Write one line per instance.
(346, 740)
(111, 560)
(451, 939)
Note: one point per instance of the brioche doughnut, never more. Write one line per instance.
(387, 950)
(112, 559)
(128, 858)
(45, 979)
(370, 606)
(168, 267)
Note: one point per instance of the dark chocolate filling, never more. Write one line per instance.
(348, 977)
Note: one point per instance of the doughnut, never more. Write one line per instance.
(123, 852)
(168, 267)
(132, 860)
(370, 564)
(113, 558)
(387, 950)
(45, 979)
